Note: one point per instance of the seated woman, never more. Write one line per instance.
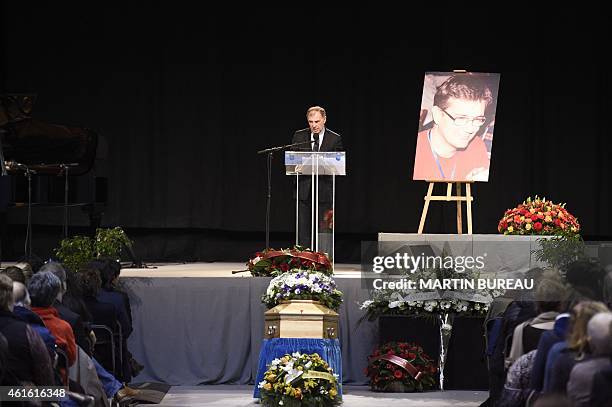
(564, 355)
(44, 288)
(580, 385)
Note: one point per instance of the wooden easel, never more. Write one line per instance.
(449, 197)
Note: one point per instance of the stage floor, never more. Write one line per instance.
(217, 269)
(354, 396)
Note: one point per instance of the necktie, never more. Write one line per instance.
(315, 145)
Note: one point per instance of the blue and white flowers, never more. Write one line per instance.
(303, 285)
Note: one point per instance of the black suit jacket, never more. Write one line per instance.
(79, 328)
(332, 141)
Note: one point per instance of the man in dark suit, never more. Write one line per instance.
(322, 139)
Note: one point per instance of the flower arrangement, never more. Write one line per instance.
(401, 367)
(303, 285)
(432, 307)
(272, 262)
(538, 217)
(299, 380)
(430, 302)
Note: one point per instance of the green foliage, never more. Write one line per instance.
(109, 242)
(559, 251)
(76, 251)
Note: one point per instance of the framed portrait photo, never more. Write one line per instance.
(456, 123)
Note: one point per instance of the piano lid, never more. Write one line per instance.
(43, 146)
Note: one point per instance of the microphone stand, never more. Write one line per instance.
(27, 172)
(64, 169)
(3, 172)
(271, 151)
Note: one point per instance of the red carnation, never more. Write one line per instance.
(411, 356)
(284, 267)
(398, 374)
(557, 222)
(537, 226)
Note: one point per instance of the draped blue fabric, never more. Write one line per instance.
(328, 349)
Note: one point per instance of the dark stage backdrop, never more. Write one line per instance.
(185, 97)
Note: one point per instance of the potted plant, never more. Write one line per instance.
(76, 251)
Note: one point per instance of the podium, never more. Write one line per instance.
(315, 190)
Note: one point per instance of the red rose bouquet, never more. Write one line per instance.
(272, 262)
(538, 217)
(401, 367)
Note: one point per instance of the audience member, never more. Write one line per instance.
(21, 308)
(27, 269)
(586, 278)
(516, 389)
(563, 356)
(107, 293)
(521, 309)
(27, 357)
(602, 387)
(607, 286)
(83, 334)
(44, 288)
(547, 340)
(15, 274)
(580, 385)
(73, 297)
(102, 314)
(550, 297)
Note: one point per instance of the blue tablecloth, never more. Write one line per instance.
(328, 349)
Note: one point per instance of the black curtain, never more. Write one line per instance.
(185, 97)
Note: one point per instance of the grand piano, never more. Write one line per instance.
(48, 165)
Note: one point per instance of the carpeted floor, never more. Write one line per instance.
(354, 396)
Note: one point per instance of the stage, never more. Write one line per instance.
(197, 323)
(208, 270)
(354, 396)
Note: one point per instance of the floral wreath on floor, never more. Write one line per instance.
(401, 367)
(538, 217)
(273, 262)
(299, 380)
(303, 285)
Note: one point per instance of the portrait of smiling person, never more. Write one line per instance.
(456, 127)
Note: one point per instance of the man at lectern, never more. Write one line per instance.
(322, 139)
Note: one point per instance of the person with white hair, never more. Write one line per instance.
(21, 308)
(580, 385)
